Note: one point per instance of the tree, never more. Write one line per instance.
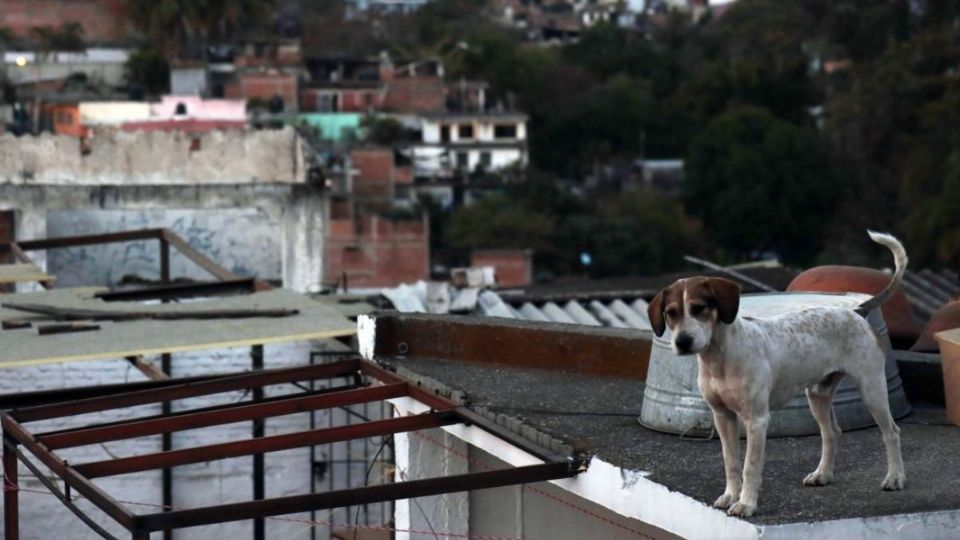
(172, 24)
(637, 232)
(148, 70)
(761, 185)
(66, 37)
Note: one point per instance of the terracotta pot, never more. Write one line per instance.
(950, 361)
(902, 323)
(945, 318)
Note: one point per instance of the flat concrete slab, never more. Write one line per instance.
(599, 415)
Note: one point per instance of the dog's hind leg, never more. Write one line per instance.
(820, 397)
(873, 388)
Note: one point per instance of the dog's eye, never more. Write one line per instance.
(697, 309)
(671, 313)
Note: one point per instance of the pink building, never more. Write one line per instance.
(200, 109)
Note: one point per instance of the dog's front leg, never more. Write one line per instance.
(726, 422)
(753, 468)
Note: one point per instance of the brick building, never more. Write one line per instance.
(364, 246)
(377, 174)
(513, 267)
(265, 85)
(373, 251)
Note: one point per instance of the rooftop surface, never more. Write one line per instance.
(598, 415)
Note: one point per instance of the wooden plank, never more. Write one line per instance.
(116, 340)
(22, 273)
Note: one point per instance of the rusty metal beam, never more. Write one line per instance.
(11, 484)
(140, 428)
(198, 258)
(574, 348)
(426, 397)
(192, 389)
(62, 497)
(90, 239)
(103, 501)
(275, 443)
(46, 397)
(149, 369)
(350, 497)
(220, 407)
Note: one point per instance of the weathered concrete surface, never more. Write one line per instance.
(598, 415)
(153, 157)
(291, 214)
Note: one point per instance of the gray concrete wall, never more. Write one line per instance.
(287, 220)
(246, 241)
(153, 157)
(417, 458)
(540, 510)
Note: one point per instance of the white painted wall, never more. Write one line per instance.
(483, 129)
(113, 113)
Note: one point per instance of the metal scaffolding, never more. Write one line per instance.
(371, 383)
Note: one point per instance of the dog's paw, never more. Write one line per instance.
(818, 478)
(724, 501)
(741, 510)
(894, 482)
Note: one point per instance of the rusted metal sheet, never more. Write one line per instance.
(591, 350)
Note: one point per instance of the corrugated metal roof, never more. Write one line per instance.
(927, 290)
(612, 312)
(614, 305)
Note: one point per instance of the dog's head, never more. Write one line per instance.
(692, 308)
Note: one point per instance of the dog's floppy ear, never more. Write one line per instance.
(655, 314)
(727, 295)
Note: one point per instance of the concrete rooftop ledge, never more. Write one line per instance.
(665, 480)
(669, 481)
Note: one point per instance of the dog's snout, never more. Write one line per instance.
(684, 342)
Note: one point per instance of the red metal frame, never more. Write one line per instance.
(388, 385)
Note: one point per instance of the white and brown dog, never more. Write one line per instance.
(748, 366)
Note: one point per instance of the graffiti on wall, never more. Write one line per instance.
(246, 241)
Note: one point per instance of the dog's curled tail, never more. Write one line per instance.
(900, 261)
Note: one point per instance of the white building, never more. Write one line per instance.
(467, 142)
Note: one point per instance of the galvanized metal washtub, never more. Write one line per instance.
(672, 401)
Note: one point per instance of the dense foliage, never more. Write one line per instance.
(801, 122)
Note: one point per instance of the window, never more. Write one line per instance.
(463, 161)
(328, 103)
(505, 131)
(465, 131)
(445, 134)
(486, 160)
